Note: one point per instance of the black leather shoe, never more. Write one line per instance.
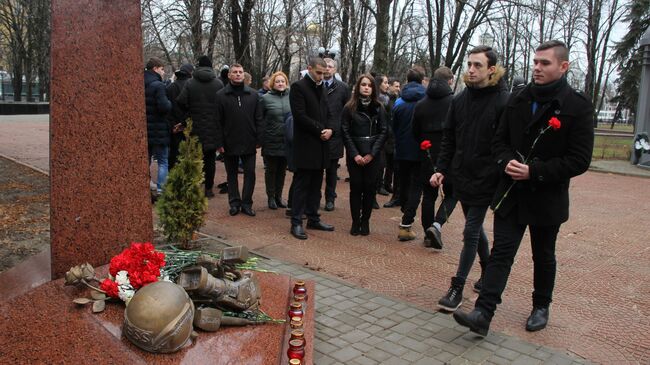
(474, 320)
(209, 193)
(272, 204)
(375, 205)
(234, 210)
(355, 228)
(364, 230)
(392, 203)
(329, 206)
(538, 319)
(298, 232)
(248, 211)
(280, 203)
(320, 226)
(383, 191)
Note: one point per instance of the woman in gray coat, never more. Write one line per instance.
(275, 104)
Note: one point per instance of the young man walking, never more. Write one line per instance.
(466, 155)
(539, 197)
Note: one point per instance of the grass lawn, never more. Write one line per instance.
(617, 127)
(612, 148)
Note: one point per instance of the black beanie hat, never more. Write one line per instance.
(204, 61)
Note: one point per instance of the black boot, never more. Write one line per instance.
(538, 319)
(365, 227)
(454, 297)
(474, 320)
(356, 226)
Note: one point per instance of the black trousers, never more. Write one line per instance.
(507, 238)
(174, 143)
(232, 165)
(429, 195)
(276, 170)
(306, 195)
(330, 180)
(410, 190)
(391, 180)
(363, 187)
(209, 167)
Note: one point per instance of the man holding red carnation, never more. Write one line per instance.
(551, 124)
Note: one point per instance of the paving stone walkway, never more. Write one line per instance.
(360, 327)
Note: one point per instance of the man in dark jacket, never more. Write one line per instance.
(157, 107)
(391, 175)
(312, 121)
(199, 98)
(539, 198)
(407, 150)
(428, 119)
(239, 115)
(177, 116)
(466, 156)
(338, 94)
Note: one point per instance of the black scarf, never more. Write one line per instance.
(542, 94)
(238, 89)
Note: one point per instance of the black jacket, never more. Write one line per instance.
(177, 114)
(275, 105)
(240, 118)
(337, 95)
(199, 98)
(157, 106)
(429, 116)
(311, 114)
(364, 130)
(558, 155)
(465, 151)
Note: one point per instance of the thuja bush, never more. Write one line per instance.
(182, 205)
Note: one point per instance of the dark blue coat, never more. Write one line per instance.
(406, 147)
(158, 106)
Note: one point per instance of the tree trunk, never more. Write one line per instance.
(382, 19)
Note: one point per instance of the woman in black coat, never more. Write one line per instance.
(364, 127)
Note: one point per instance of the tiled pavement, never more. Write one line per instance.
(359, 327)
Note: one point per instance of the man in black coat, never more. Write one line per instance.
(428, 118)
(338, 94)
(177, 116)
(240, 116)
(157, 106)
(466, 155)
(199, 98)
(312, 121)
(538, 183)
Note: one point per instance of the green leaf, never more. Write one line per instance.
(99, 306)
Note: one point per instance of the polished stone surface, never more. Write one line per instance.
(44, 326)
(98, 148)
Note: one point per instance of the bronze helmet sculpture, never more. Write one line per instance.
(159, 317)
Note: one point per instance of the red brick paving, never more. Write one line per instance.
(601, 309)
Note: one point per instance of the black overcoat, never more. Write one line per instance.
(338, 95)
(240, 118)
(558, 155)
(157, 107)
(311, 114)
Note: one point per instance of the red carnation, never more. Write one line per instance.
(554, 123)
(109, 287)
(425, 145)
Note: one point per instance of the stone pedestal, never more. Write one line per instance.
(42, 325)
(98, 141)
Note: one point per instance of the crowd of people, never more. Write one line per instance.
(484, 147)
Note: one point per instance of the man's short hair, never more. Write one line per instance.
(317, 61)
(415, 74)
(153, 63)
(443, 73)
(236, 65)
(490, 53)
(561, 50)
(393, 80)
(332, 61)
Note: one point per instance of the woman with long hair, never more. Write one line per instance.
(276, 106)
(364, 127)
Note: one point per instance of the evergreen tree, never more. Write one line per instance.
(182, 205)
(628, 54)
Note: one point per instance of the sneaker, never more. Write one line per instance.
(453, 299)
(434, 235)
(477, 286)
(329, 206)
(405, 233)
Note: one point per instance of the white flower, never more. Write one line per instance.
(125, 293)
(122, 278)
(165, 277)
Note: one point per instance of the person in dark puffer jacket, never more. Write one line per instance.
(466, 155)
(177, 116)
(275, 104)
(157, 106)
(199, 98)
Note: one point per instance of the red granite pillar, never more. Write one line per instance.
(98, 147)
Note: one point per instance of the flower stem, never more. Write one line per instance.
(92, 287)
